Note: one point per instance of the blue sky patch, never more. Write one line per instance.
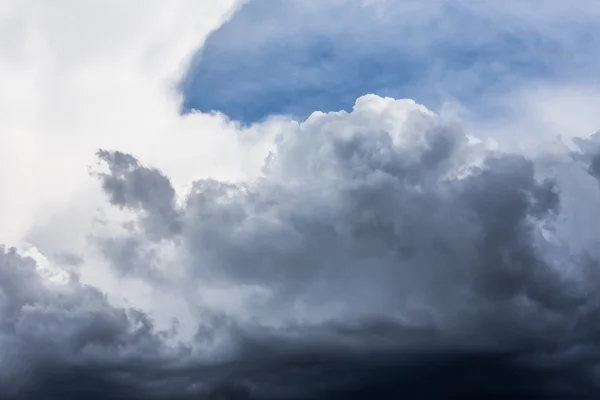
(292, 57)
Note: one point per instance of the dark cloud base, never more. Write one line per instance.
(433, 375)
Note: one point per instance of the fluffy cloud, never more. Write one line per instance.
(386, 249)
(53, 324)
(77, 78)
(387, 202)
(380, 252)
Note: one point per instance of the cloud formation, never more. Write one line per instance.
(383, 252)
(387, 202)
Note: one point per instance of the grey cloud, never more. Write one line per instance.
(595, 166)
(316, 366)
(397, 258)
(131, 257)
(133, 186)
(49, 327)
(590, 154)
(149, 193)
(356, 214)
(68, 259)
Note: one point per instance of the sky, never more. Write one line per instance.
(299, 199)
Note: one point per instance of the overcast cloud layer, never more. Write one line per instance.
(385, 252)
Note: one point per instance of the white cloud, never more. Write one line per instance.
(78, 76)
(82, 75)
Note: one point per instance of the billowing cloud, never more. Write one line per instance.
(387, 202)
(53, 325)
(386, 249)
(383, 252)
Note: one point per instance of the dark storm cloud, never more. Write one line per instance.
(317, 366)
(399, 260)
(48, 327)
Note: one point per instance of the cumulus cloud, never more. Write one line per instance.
(375, 202)
(53, 324)
(383, 252)
(384, 240)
